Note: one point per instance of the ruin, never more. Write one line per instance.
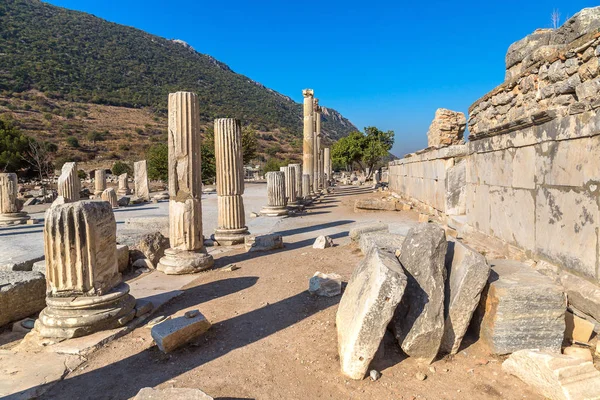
(140, 180)
(123, 188)
(69, 184)
(297, 171)
(276, 199)
(99, 181)
(289, 174)
(10, 205)
(308, 143)
(110, 196)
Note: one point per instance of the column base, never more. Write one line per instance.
(272, 211)
(17, 218)
(179, 262)
(295, 206)
(229, 237)
(71, 317)
(123, 192)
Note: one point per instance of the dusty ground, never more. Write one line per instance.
(271, 340)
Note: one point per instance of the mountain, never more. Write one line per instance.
(51, 57)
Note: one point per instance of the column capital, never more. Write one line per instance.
(308, 92)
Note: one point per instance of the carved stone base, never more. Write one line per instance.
(13, 218)
(229, 237)
(123, 192)
(274, 211)
(179, 262)
(70, 317)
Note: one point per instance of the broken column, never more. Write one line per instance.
(140, 180)
(187, 253)
(110, 196)
(230, 182)
(99, 181)
(316, 145)
(10, 205)
(85, 293)
(326, 167)
(308, 138)
(306, 197)
(276, 201)
(69, 184)
(290, 186)
(297, 168)
(123, 189)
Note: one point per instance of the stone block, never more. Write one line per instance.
(22, 293)
(578, 329)
(122, 257)
(419, 319)
(512, 216)
(323, 242)
(366, 308)
(375, 204)
(568, 162)
(555, 376)
(358, 230)
(151, 246)
(389, 242)
(176, 332)
(263, 242)
(582, 353)
(478, 207)
(583, 295)
(327, 285)
(468, 272)
(454, 188)
(524, 168)
(522, 309)
(171, 394)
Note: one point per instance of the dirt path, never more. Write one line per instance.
(271, 340)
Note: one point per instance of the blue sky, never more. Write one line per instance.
(390, 64)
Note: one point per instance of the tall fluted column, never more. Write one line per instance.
(326, 167)
(187, 253)
(99, 181)
(306, 189)
(321, 164)
(140, 180)
(110, 196)
(85, 293)
(308, 139)
(230, 182)
(123, 189)
(290, 186)
(316, 146)
(276, 200)
(298, 179)
(10, 205)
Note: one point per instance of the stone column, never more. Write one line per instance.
(69, 184)
(110, 196)
(309, 136)
(85, 293)
(140, 181)
(290, 187)
(99, 181)
(232, 227)
(10, 205)
(276, 204)
(187, 253)
(326, 167)
(123, 189)
(307, 198)
(321, 165)
(316, 146)
(297, 168)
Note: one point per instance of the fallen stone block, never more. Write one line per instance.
(327, 285)
(171, 394)
(360, 229)
(176, 332)
(468, 273)
(375, 204)
(578, 329)
(522, 309)
(555, 376)
(583, 295)
(22, 293)
(263, 242)
(39, 266)
(122, 257)
(123, 201)
(386, 241)
(323, 242)
(419, 319)
(578, 352)
(151, 246)
(366, 308)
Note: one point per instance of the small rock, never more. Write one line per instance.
(192, 313)
(420, 376)
(174, 333)
(253, 214)
(482, 361)
(374, 374)
(323, 242)
(327, 285)
(230, 267)
(432, 369)
(123, 201)
(142, 263)
(263, 242)
(157, 320)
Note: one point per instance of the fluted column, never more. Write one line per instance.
(326, 166)
(316, 149)
(110, 196)
(308, 138)
(297, 168)
(10, 205)
(306, 189)
(69, 185)
(85, 293)
(230, 182)
(276, 200)
(187, 253)
(140, 180)
(99, 181)
(321, 164)
(290, 186)
(123, 189)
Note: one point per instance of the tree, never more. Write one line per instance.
(249, 144)
(273, 164)
(376, 146)
(39, 156)
(207, 151)
(120, 167)
(158, 162)
(348, 150)
(366, 150)
(13, 144)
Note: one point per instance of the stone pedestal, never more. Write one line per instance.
(297, 168)
(10, 205)
(84, 289)
(308, 137)
(123, 189)
(187, 253)
(69, 184)
(110, 196)
(290, 187)
(140, 180)
(99, 181)
(230, 182)
(276, 205)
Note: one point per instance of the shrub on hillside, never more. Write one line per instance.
(121, 167)
(158, 162)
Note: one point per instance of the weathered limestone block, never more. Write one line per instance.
(581, 294)
(187, 253)
(123, 189)
(555, 376)
(378, 204)
(151, 246)
(140, 180)
(122, 257)
(10, 205)
(366, 308)
(276, 200)
(360, 229)
(327, 285)
(99, 181)
(447, 128)
(419, 319)
(84, 289)
(323, 242)
(22, 293)
(468, 273)
(110, 196)
(176, 332)
(386, 241)
(171, 394)
(522, 309)
(308, 138)
(263, 242)
(69, 184)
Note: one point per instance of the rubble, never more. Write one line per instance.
(382, 240)
(263, 242)
(176, 332)
(323, 242)
(327, 285)
(358, 230)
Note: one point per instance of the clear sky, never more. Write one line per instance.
(390, 64)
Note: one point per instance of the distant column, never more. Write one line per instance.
(85, 293)
(110, 196)
(232, 227)
(187, 253)
(99, 181)
(290, 186)
(317, 141)
(306, 189)
(321, 165)
(276, 200)
(123, 189)
(69, 184)
(298, 179)
(326, 166)
(309, 133)
(140, 180)
(10, 205)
